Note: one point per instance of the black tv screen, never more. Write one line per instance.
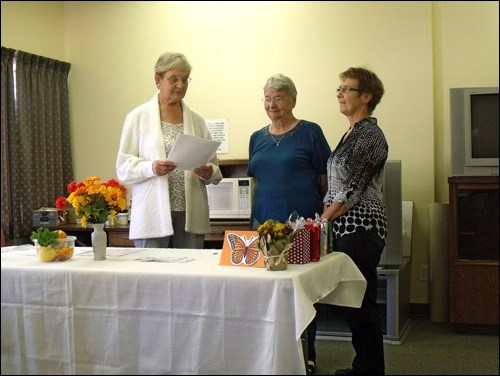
(483, 126)
(474, 131)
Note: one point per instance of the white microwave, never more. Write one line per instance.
(231, 198)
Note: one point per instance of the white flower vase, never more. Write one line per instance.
(99, 241)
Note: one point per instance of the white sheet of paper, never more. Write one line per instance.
(189, 152)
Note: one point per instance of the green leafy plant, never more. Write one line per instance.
(45, 237)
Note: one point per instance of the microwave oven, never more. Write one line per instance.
(231, 198)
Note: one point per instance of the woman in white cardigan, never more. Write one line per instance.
(169, 205)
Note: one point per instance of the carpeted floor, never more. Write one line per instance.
(430, 349)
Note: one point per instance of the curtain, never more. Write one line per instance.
(36, 150)
(7, 110)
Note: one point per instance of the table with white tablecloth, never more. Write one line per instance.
(162, 311)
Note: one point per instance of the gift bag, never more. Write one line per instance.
(331, 238)
(300, 253)
(315, 240)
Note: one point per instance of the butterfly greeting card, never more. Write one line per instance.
(240, 249)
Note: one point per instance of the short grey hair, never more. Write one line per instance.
(281, 82)
(172, 60)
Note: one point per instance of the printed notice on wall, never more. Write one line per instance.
(219, 130)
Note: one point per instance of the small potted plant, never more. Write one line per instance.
(275, 241)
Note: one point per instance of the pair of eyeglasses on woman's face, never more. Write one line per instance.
(175, 80)
(277, 100)
(345, 89)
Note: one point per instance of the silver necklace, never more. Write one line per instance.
(277, 139)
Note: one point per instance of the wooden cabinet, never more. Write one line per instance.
(118, 237)
(216, 237)
(474, 251)
(233, 168)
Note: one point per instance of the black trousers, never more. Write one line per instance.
(311, 339)
(365, 249)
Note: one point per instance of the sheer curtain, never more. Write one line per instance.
(36, 161)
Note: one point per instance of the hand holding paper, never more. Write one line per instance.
(189, 152)
(161, 167)
(204, 172)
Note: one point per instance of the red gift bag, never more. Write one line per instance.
(300, 253)
(315, 240)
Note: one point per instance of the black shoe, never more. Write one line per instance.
(346, 371)
(311, 367)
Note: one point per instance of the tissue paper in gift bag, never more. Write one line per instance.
(300, 253)
(324, 241)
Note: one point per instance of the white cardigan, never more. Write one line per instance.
(141, 143)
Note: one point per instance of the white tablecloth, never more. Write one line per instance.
(162, 311)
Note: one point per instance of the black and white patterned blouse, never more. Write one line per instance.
(355, 171)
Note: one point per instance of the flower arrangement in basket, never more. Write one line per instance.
(94, 200)
(275, 241)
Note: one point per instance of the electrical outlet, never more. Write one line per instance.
(424, 272)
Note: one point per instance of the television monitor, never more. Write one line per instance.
(474, 131)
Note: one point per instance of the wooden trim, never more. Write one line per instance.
(233, 162)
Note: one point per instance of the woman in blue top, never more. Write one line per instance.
(287, 159)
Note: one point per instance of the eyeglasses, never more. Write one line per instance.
(277, 100)
(345, 89)
(175, 80)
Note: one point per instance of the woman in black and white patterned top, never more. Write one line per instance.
(354, 203)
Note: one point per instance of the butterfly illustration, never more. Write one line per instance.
(243, 250)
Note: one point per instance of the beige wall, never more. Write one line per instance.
(465, 55)
(419, 50)
(37, 28)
